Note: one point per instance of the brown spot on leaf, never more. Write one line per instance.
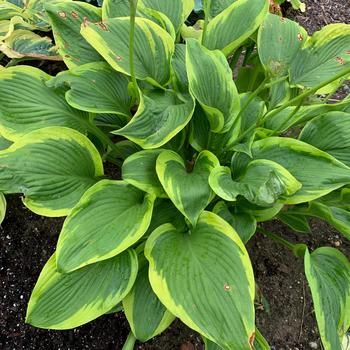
(251, 340)
(86, 22)
(118, 58)
(340, 60)
(62, 14)
(282, 19)
(274, 8)
(347, 52)
(102, 26)
(94, 81)
(300, 37)
(74, 15)
(227, 287)
(66, 56)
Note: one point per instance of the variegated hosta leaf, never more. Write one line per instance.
(286, 119)
(298, 223)
(261, 214)
(330, 133)
(2, 207)
(217, 6)
(27, 104)
(187, 184)
(66, 18)
(227, 30)
(263, 183)
(304, 162)
(206, 71)
(279, 41)
(52, 167)
(323, 56)
(8, 26)
(160, 116)
(97, 88)
(153, 47)
(9, 10)
(339, 218)
(146, 315)
(328, 273)
(221, 303)
(24, 43)
(140, 171)
(109, 218)
(243, 223)
(64, 301)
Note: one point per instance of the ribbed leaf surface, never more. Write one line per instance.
(64, 301)
(109, 218)
(211, 262)
(52, 167)
(27, 104)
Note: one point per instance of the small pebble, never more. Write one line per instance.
(313, 345)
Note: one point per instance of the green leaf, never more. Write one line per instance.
(66, 18)
(221, 303)
(146, 315)
(27, 104)
(25, 43)
(260, 342)
(304, 162)
(330, 133)
(139, 170)
(187, 188)
(115, 8)
(287, 118)
(109, 218)
(243, 223)
(153, 47)
(261, 214)
(227, 31)
(207, 70)
(173, 9)
(160, 116)
(52, 167)
(97, 88)
(337, 217)
(165, 212)
(323, 56)
(328, 273)
(263, 183)
(64, 301)
(298, 223)
(178, 63)
(279, 41)
(2, 207)
(217, 6)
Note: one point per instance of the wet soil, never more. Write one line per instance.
(284, 314)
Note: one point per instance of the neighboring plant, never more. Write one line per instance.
(19, 21)
(205, 159)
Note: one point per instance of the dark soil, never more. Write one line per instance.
(285, 315)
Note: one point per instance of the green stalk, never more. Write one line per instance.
(133, 7)
(206, 18)
(130, 342)
(102, 136)
(277, 238)
(307, 93)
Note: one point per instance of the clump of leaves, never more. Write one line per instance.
(204, 158)
(20, 20)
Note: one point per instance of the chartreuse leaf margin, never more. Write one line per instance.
(206, 130)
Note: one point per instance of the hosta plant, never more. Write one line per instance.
(215, 130)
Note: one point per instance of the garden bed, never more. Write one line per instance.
(286, 318)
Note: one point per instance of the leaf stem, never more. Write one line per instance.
(130, 342)
(206, 18)
(305, 94)
(277, 238)
(102, 136)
